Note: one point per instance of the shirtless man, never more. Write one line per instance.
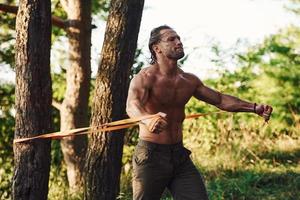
(160, 160)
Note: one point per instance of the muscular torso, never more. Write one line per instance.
(167, 94)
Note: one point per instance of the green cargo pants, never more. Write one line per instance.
(160, 166)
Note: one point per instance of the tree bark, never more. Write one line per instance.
(105, 150)
(74, 109)
(14, 9)
(33, 99)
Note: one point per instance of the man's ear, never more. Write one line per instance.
(156, 48)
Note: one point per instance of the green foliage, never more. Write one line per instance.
(58, 183)
(101, 8)
(267, 73)
(7, 123)
(279, 71)
(57, 11)
(58, 85)
(8, 20)
(7, 38)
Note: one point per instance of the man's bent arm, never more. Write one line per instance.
(137, 96)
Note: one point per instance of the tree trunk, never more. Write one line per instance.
(105, 150)
(74, 109)
(33, 99)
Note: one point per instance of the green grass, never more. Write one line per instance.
(240, 184)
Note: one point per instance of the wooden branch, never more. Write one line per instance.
(59, 22)
(55, 20)
(56, 104)
(8, 8)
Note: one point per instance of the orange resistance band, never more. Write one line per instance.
(112, 126)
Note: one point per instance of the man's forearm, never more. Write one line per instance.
(234, 104)
(135, 109)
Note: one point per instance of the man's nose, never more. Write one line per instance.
(178, 42)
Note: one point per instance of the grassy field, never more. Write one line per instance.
(240, 161)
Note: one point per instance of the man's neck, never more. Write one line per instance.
(167, 67)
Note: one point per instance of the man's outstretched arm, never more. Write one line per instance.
(230, 103)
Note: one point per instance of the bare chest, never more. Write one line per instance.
(168, 92)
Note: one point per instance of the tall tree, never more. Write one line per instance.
(74, 109)
(33, 99)
(105, 150)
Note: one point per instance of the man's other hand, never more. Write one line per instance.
(264, 111)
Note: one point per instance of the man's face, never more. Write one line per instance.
(170, 44)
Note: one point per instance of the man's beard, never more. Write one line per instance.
(176, 55)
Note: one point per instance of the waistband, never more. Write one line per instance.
(160, 147)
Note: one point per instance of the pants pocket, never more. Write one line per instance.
(187, 152)
(142, 156)
(181, 156)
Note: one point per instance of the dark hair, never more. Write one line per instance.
(154, 39)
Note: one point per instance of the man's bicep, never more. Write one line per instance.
(208, 95)
(137, 90)
(137, 96)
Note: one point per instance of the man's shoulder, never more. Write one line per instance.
(191, 79)
(146, 75)
(147, 72)
(189, 75)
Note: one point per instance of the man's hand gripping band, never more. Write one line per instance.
(156, 124)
